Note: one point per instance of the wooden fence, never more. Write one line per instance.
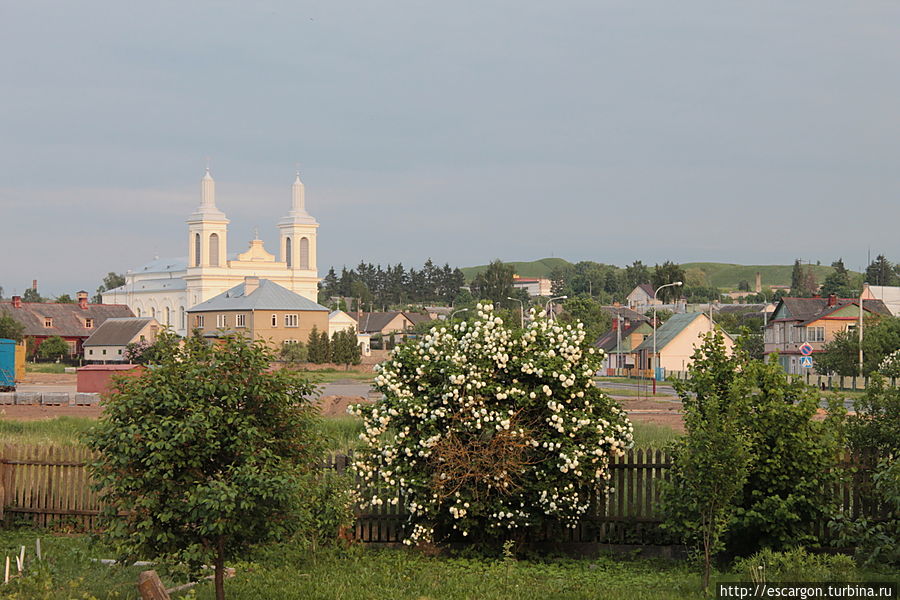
(50, 486)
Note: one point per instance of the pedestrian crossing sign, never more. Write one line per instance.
(806, 362)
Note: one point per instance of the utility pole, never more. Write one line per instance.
(860, 327)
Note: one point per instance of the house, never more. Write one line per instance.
(798, 321)
(888, 294)
(74, 322)
(534, 286)
(641, 298)
(262, 310)
(386, 323)
(108, 342)
(676, 340)
(623, 313)
(619, 342)
(338, 320)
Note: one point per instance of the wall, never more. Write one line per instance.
(259, 324)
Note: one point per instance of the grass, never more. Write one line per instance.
(651, 435)
(331, 375)
(63, 431)
(57, 368)
(535, 268)
(725, 275)
(629, 393)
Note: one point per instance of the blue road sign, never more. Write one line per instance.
(806, 362)
(806, 349)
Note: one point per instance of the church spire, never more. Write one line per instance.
(298, 194)
(208, 209)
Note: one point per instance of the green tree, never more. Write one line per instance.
(53, 348)
(325, 348)
(664, 274)
(589, 312)
(206, 454)
(840, 356)
(314, 347)
(803, 280)
(10, 329)
(838, 282)
(709, 465)
(32, 295)
(64, 299)
(881, 272)
(110, 282)
(495, 283)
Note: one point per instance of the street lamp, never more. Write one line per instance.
(522, 313)
(550, 304)
(456, 312)
(656, 366)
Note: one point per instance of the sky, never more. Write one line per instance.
(746, 132)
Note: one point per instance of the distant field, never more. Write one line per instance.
(535, 268)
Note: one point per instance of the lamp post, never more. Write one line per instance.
(522, 309)
(456, 312)
(862, 293)
(550, 304)
(656, 365)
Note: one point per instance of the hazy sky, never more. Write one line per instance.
(751, 132)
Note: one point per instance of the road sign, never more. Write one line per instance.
(806, 349)
(806, 362)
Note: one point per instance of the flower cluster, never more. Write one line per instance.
(483, 429)
(890, 365)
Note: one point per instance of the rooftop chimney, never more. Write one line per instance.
(251, 284)
(34, 284)
(17, 301)
(82, 299)
(832, 300)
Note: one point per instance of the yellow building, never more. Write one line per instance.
(676, 340)
(262, 310)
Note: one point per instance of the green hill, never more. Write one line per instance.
(724, 275)
(535, 268)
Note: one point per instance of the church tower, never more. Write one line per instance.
(297, 244)
(207, 244)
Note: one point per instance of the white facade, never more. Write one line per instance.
(166, 289)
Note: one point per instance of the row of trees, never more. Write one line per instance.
(341, 348)
(378, 288)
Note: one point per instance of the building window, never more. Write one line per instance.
(288, 252)
(304, 253)
(168, 316)
(214, 250)
(221, 321)
(120, 352)
(91, 352)
(48, 321)
(104, 352)
(241, 321)
(88, 323)
(196, 249)
(815, 334)
(199, 320)
(143, 339)
(181, 310)
(274, 320)
(290, 320)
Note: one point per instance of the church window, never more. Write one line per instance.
(290, 320)
(274, 320)
(181, 310)
(168, 315)
(214, 250)
(153, 312)
(196, 249)
(241, 321)
(304, 253)
(140, 311)
(221, 321)
(288, 252)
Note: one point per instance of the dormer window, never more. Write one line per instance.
(48, 321)
(88, 323)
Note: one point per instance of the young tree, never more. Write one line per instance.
(314, 346)
(881, 272)
(325, 349)
(664, 274)
(203, 455)
(53, 348)
(294, 352)
(495, 283)
(32, 295)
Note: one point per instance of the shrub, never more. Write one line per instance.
(487, 431)
(53, 348)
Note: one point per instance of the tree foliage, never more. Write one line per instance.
(840, 356)
(53, 347)
(486, 432)
(803, 280)
(203, 455)
(589, 312)
(495, 283)
(10, 328)
(882, 272)
(32, 295)
(665, 274)
(110, 282)
(377, 287)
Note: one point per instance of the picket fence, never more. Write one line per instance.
(49, 486)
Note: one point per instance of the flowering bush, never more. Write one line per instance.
(484, 430)
(890, 366)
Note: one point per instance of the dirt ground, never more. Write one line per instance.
(51, 378)
(36, 413)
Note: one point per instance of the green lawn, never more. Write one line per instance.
(630, 393)
(60, 430)
(46, 367)
(332, 375)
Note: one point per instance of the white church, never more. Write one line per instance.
(166, 289)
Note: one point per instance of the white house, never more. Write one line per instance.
(108, 342)
(166, 288)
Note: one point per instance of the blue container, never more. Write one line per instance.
(7, 364)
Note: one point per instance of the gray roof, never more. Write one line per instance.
(118, 331)
(667, 332)
(268, 296)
